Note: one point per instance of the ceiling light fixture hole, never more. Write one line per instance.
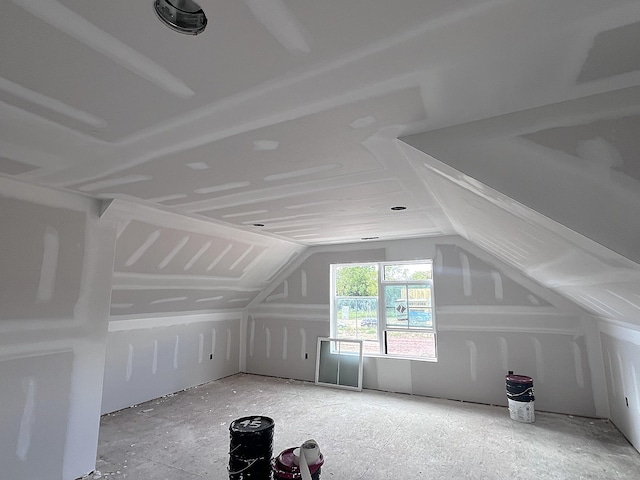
(184, 16)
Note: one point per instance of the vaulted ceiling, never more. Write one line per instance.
(279, 127)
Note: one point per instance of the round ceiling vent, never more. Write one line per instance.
(184, 16)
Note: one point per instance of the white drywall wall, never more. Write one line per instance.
(621, 348)
(483, 331)
(56, 259)
(152, 357)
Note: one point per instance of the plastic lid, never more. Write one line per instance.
(519, 379)
(251, 424)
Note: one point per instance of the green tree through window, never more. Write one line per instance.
(357, 281)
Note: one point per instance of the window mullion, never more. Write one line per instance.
(382, 311)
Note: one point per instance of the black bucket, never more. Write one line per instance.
(520, 388)
(520, 397)
(251, 448)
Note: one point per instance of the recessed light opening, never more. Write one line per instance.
(184, 16)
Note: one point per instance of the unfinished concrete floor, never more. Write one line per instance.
(365, 435)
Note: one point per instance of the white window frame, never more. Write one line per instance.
(382, 311)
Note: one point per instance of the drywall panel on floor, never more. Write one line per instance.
(56, 261)
(621, 349)
(144, 362)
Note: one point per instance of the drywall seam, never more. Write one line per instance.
(21, 324)
(35, 194)
(28, 419)
(612, 376)
(176, 350)
(49, 268)
(119, 210)
(153, 322)
(154, 362)
(510, 310)
(577, 361)
(252, 337)
(278, 308)
(220, 256)
(242, 350)
(285, 342)
(507, 329)
(171, 255)
(497, 283)
(197, 256)
(242, 257)
(147, 281)
(35, 349)
(142, 249)
(503, 353)
(85, 32)
(304, 317)
(473, 360)
(178, 314)
(303, 343)
(267, 333)
(303, 282)
(466, 274)
(50, 103)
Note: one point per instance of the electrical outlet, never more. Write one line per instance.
(306, 356)
(211, 356)
(626, 400)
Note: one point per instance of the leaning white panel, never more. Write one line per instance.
(339, 363)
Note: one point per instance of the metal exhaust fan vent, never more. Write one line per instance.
(184, 16)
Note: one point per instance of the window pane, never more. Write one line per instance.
(420, 306)
(416, 271)
(357, 280)
(408, 306)
(396, 306)
(411, 344)
(358, 318)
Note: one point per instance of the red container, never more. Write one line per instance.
(285, 468)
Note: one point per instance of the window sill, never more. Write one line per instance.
(398, 357)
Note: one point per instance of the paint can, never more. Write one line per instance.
(520, 397)
(286, 466)
(251, 447)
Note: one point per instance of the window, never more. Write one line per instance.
(389, 306)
